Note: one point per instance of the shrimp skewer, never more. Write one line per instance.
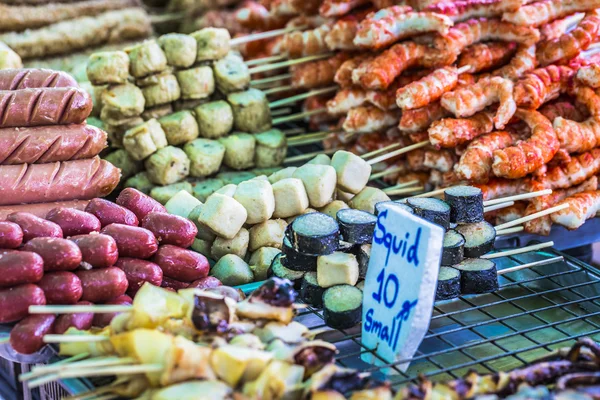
(419, 119)
(342, 33)
(451, 132)
(369, 119)
(439, 160)
(562, 109)
(484, 56)
(589, 75)
(256, 17)
(468, 100)
(475, 164)
(462, 10)
(542, 85)
(295, 7)
(317, 73)
(343, 75)
(345, 100)
(577, 137)
(398, 22)
(337, 8)
(570, 44)
(524, 61)
(544, 11)
(496, 188)
(306, 43)
(581, 207)
(581, 167)
(428, 89)
(527, 156)
(559, 27)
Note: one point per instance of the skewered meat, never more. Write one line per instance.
(342, 33)
(482, 29)
(462, 10)
(555, 29)
(80, 33)
(317, 73)
(383, 99)
(589, 75)
(450, 132)
(439, 160)
(509, 214)
(420, 119)
(392, 24)
(484, 56)
(468, 100)
(562, 109)
(306, 43)
(345, 100)
(19, 18)
(523, 61)
(475, 164)
(570, 44)
(255, 16)
(528, 155)
(337, 8)
(496, 188)
(582, 206)
(369, 119)
(580, 168)
(343, 75)
(415, 160)
(542, 12)
(380, 72)
(543, 225)
(428, 89)
(295, 7)
(577, 137)
(542, 85)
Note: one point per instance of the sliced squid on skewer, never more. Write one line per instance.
(345, 100)
(306, 43)
(542, 85)
(468, 100)
(581, 207)
(369, 119)
(317, 73)
(451, 132)
(392, 24)
(342, 33)
(529, 155)
(484, 56)
(577, 137)
(523, 61)
(580, 168)
(427, 89)
(497, 188)
(542, 12)
(343, 75)
(462, 10)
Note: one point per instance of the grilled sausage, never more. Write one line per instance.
(110, 213)
(139, 272)
(44, 106)
(61, 287)
(27, 337)
(206, 283)
(81, 321)
(15, 301)
(99, 251)
(103, 319)
(39, 183)
(173, 284)
(18, 267)
(33, 226)
(171, 229)
(181, 264)
(58, 254)
(132, 241)
(141, 204)
(44, 144)
(73, 222)
(100, 285)
(11, 235)
(29, 78)
(41, 209)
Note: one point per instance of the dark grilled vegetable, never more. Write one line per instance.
(466, 204)
(448, 285)
(295, 260)
(432, 210)
(212, 312)
(479, 238)
(310, 291)
(453, 250)
(342, 306)
(477, 275)
(314, 233)
(378, 206)
(279, 270)
(356, 226)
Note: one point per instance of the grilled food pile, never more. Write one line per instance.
(181, 107)
(212, 343)
(504, 92)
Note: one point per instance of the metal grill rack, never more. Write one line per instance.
(535, 311)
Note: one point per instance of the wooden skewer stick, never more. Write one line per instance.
(131, 369)
(518, 197)
(308, 136)
(258, 82)
(464, 68)
(432, 193)
(308, 156)
(398, 152)
(265, 60)
(98, 362)
(293, 131)
(33, 373)
(383, 173)
(288, 63)
(379, 151)
(277, 89)
(163, 18)
(522, 250)
(409, 190)
(280, 112)
(508, 231)
(298, 97)
(539, 263)
(74, 338)
(401, 185)
(77, 309)
(264, 35)
(295, 117)
(498, 206)
(530, 217)
(305, 142)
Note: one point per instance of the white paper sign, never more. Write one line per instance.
(400, 284)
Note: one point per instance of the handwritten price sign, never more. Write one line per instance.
(400, 284)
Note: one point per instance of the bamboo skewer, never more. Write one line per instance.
(293, 99)
(97, 362)
(287, 63)
(280, 112)
(264, 60)
(530, 217)
(522, 250)
(74, 338)
(308, 136)
(277, 89)
(388, 171)
(398, 152)
(498, 206)
(264, 35)
(401, 185)
(539, 263)
(523, 196)
(306, 141)
(293, 131)
(409, 190)
(308, 156)
(270, 79)
(379, 151)
(508, 231)
(295, 117)
(77, 309)
(58, 364)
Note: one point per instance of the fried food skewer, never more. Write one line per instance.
(462, 10)
(577, 137)
(542, 12)
(484, 56)
(523, 61)
(542, 85)
(451, 132)
(419, 119)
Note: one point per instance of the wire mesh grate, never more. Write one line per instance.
(535, 311)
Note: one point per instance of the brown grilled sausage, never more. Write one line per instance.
(81, 321)
(58, 254)
(44, 106)
(99, 251)
(141, 204)
(139, 272)
(173, 284)
(103, 319)
(44, 144)
(61, 287)
(73, 222)
(34, 226)
(181, 264)
(29, 78)
(206, 283)
(11, 235)
(100, 285)
(15, 301)
(132, 241)
(67, 180)
(171, 229)
(27, 336)
(110, 213)
(41, 209)
(18, 267)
